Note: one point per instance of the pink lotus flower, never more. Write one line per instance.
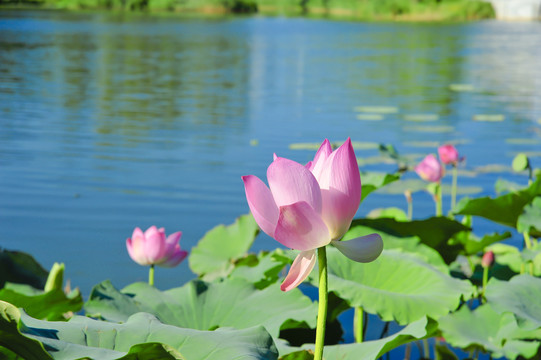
(153, 248)
(311, 206)
(448, 154)
(430, 169)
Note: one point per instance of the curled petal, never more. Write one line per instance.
(261, 203)
(300, 269)
(301, 228)
(362, 249)
(290, 182)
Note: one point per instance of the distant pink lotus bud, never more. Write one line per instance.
(307, 207)
(488, 259)
(448, 154)
(430, 169)
(153, 248)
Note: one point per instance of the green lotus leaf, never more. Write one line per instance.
(261, 270)
(530, 220)
(520, 296)
(370, 117)
(503, 209)
(377, 109)
(421, 117)
(51, 305)
(139, 336)
(429, 129)
(205, 306)
(373, 181)
(488, 117)
(503, 186)
(397, 286)
(473, 245)
(368, 350)
(488, 330)
(210, 259)
(13, 340)
(22, 268)
(434, 232)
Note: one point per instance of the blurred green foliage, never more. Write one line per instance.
(425, 10)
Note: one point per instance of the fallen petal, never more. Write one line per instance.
(362, 249)
(300, 269)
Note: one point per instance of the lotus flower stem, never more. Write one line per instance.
(426, 349)
(454, 187)
(358, 324)
(323, 303)
(485, 281)
(438, 200)
(527, 240)
(151, 275)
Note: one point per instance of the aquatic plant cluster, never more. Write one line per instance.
(436, 289)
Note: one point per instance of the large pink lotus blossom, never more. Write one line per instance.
(307, 207)
(448, 154)
(430, 169)
(153, 248)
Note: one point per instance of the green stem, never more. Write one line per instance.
(410, 210)
(438, 200)
(454, 188)
(426, 349)
(358, 324)
(323, 302)
(485, 281)
(527, 240)
(151, 275)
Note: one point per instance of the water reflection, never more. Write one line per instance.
(111, 121)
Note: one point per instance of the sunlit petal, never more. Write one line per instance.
(290, 182)
(301, 228)
(261, 203)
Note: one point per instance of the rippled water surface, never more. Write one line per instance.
(108, 122)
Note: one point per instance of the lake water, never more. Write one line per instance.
(111, 121)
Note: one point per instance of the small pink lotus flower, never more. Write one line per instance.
(448, 154)
(488, 259)
(311, 206)
(430, 169)
(153, 248)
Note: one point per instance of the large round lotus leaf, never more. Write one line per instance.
(504, 209)
(84, 337)
(410, 244)
(488, 330)
(205, 306)
(521, 296)
(397, 286)
(12, 339)
(214, 254)
(368, 350)
(530, 220)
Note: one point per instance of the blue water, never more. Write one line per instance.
(111, 121)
